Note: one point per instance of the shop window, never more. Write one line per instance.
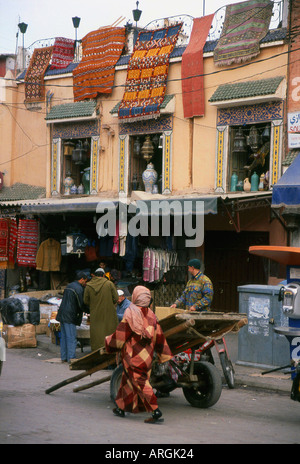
(249, 153)
(145, 149)
(75, 166)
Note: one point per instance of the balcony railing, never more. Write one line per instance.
(187, 20)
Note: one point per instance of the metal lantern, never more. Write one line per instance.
(79, 154)
(137, 146)
(239, 143)
(147, 149)
(254, 139)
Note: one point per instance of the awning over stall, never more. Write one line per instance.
(287, 190)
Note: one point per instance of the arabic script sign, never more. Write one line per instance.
(294, 130)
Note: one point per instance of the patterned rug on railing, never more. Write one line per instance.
(34, 78)
(95, 73)
(147, 73)
(245, 24)
(63, 53)
(192, 68)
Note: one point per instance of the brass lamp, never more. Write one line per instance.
(147, 149)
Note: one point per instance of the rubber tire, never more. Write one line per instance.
(228, 370)
(207, 396)
(115, 382)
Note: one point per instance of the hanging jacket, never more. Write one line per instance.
(48, 257)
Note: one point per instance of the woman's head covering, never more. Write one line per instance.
(141, 298)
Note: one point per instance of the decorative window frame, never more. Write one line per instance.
(79, 129)
(163, 124)
(248, 114)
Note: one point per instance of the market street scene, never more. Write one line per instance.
(150, 226)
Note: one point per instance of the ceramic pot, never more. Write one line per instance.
(254, 182)
(86, 180)
(68, 183)
(234, 181)
(149, 177)
(247, 185)
(80, 189)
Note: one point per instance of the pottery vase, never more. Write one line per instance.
(234, 181)
(247, 185)
(254, 182)
(86, 180)
(68, 183)
(149, 177)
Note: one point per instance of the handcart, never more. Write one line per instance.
(200, 380)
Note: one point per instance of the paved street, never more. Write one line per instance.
(28, 415)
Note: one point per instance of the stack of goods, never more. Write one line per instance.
(20, 316)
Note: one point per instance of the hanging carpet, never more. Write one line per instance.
(245, 24)
(4, 228)
(27, 246)
(147, 74)
(192, 68)
(95, 73)
(13, 235)
(34, 78)
(63, 53)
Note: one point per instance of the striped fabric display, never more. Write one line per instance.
(27, 247)
(245, 24)
(63, 53)
(95, 73)
(147, 73)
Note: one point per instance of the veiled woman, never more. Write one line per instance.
(138, 336)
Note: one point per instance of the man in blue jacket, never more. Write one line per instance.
(70, 315)
(123, 303)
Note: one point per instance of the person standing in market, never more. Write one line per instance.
(70, 315)
(198, 293)
(138, 336)
(123, 304)
(101, 296)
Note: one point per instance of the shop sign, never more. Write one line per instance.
(294, 130)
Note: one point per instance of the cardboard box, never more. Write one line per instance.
(23, 336)
(42, 327)
(161, 311)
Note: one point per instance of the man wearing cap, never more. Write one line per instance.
(70, 315)
(123, 303)
(198, 293)
(101, 296)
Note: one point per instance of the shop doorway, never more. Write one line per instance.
(229, 264)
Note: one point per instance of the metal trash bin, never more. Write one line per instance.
(258, 344)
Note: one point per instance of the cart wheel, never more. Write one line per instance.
(209, 391)
(227, 369)
(115, 381)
